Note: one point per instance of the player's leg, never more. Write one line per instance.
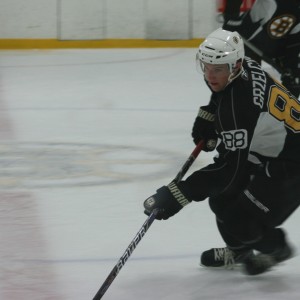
(234, 252)
(263, 206)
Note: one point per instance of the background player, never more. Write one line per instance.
(271, 32)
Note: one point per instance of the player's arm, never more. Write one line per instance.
(236, 132)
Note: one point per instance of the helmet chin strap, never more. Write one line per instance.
(233, 75)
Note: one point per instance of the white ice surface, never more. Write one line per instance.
(86, 136)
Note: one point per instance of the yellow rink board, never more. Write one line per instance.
(7, 44)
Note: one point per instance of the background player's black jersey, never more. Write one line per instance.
(270, 25)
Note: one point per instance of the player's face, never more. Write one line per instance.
(216, 76)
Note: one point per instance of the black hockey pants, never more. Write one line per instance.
(269, 198)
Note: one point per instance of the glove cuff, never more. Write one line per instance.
(206, 115)
(177, 194)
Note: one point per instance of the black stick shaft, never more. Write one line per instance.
(115, 271)
(121, 262)
(189, 161)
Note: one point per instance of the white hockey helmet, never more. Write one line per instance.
(221, 47)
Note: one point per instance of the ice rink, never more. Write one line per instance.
(85, 137)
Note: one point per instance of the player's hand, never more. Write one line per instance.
(204, 129)
(169, 199)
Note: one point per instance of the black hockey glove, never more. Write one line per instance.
(167, 198)
(204, 129)
(231, 14)
(231, 23)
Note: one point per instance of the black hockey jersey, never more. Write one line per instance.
(269, 26)
(257, 120)
(258, 117)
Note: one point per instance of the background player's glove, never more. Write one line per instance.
(231, 14)
(204, 129)
(169, 199)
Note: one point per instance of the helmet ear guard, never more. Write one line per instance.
(221, 47)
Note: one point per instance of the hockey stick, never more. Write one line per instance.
(115, 271)
(268, 60)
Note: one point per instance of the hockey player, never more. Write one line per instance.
(271, 32)
(253, 183)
